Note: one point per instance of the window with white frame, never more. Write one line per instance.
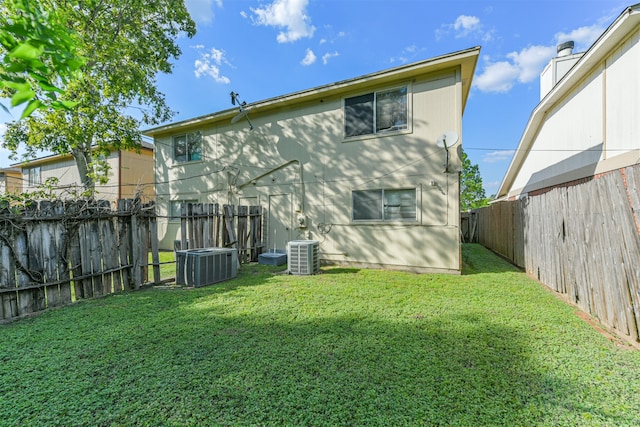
(34, 176)
(176, 206)
(384, 205)
(376, 112)
(187, 147)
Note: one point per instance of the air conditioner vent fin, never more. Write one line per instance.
(303, 257)
(201, 267)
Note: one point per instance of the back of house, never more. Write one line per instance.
(355, 165)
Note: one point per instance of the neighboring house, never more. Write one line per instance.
(10, 181)
(588, 121)
(354, 164)
(131, 173)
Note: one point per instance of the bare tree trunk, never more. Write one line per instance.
(83, 161)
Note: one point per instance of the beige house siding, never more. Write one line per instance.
(136, 174)
(10, 181)
(129, 171)
(299, 166)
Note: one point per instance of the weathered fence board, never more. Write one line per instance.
(580, 240)
(209, 226)
(54, 253)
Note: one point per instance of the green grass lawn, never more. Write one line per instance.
(167, 265)
(345, 347)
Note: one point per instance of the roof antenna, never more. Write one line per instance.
(243, 112)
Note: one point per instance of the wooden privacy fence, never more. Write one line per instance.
(55, 253)
(581, 240)
(205, 225)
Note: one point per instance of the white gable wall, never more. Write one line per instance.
(592, 129)
(623, 97)
(571, 128)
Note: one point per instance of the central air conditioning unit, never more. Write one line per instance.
(201, 267)
(303, 256)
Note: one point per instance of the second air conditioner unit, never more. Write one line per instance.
(201, 267)
(303, 257)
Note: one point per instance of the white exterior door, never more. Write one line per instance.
(279, 221)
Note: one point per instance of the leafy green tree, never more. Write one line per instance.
(126, 43)
(472, 195)
(37, 56)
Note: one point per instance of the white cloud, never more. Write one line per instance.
(465, 26)
(497, 77)
(498, 156)
(309, 58)
(209, 65)
(202, 10)
(520, 67)
(583, 36)
(525, 66)
(531, 60)
(288, 14)
(407, 54)
(327, 56)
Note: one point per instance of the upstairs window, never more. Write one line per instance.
(376, 112)
(187, 148)
(384, 205)
(34, 176)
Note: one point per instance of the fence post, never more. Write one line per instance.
(183, 227)
(243, 237)
(124, 240)
(136, 241)
(153, 235)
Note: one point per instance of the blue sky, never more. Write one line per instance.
(264, 49)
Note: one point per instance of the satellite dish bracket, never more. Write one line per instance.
(447, 140)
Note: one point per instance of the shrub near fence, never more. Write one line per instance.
(55, 253)
(581, 240)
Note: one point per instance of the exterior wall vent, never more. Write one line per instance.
(201, 267)
(303, 257)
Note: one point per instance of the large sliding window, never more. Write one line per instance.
(384, 205)
(376, 112)
(188, 147)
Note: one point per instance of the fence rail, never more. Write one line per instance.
(581, 240)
